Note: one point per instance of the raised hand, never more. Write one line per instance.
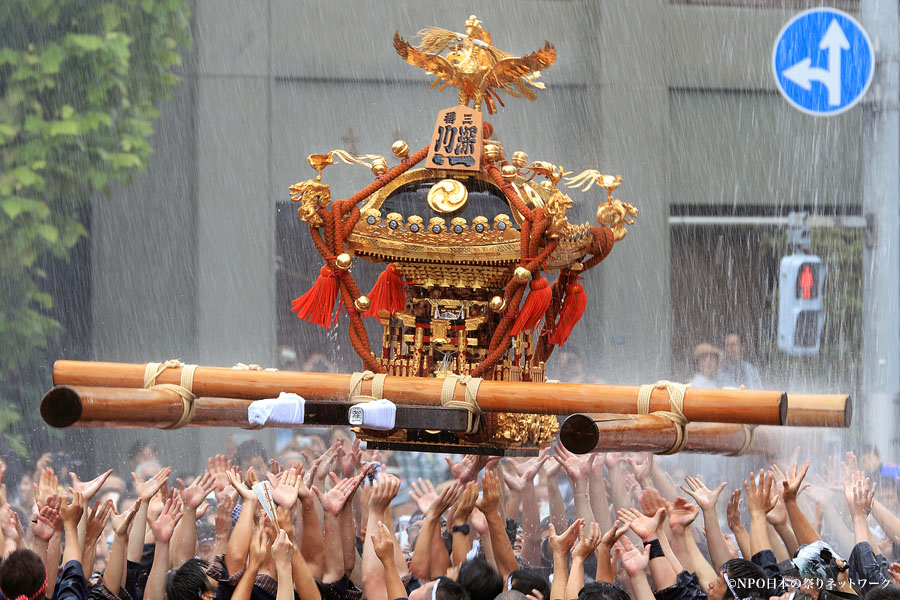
(861, 496)
(645, 527)
(218, 466)
(285, 487)
(47, 521)
(147, 489)
(90, 488)
(894, 572)
(122, 522)
(490, 493)
(446, 499)
(383, 542)
(334, 499)
(466, 503)
(651, 502)
(164, 525)
(561, 544)
(423, 492)
(194, 495)
(351, 461)
(618, 529)
(234, 478)
(681, 512)
(705, 498)
(384, 490)
(791, 485)
(97, 518)
(760, 499)
(282, 550)
(733, 510)
(259, 546)
(633, 559)
(467, 469)
(71, 512)
(587, 545)
(642, 469)
(46, 486)
(576, 467)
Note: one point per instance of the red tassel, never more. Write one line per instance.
(387, 294)
(571, 311)
(536, 305)
(316, 305)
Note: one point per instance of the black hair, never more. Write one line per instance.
(510, 595)
(600, 590)
(480, 579)
(745, 578)
(22, 574)
(248, 450)
(450, 590)
(189, 582)
(512, 528)
(885, 592)
(138, 447)
(525, 580)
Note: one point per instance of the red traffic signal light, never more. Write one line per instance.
(808, 281)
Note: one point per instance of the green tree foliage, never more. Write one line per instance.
(79, 85)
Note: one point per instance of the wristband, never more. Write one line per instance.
(463, 529)
(656, 550)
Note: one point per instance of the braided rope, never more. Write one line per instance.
(676, 393)
(448, 398)
(153, 370)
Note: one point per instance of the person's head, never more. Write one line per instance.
(739, 578)
(706, 359)
(600, 590)
(888, 492)
(734, 348)
(526, 580)
(140, 452)
(511, 595)
(819, 562)
(869, 459)
(886, 592)
(252, 454)
(480, 579)
(516, 536)
(23, 574)
(26, 489)
(446, 589)
(189, 582)
(206, 540)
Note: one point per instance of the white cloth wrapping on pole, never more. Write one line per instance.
(286, 409)
(376, 414)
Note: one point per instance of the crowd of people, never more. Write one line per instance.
(332, 523)
(717, 368)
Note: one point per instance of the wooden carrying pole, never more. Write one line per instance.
(582, 433)
(80, 406)
(705, 405)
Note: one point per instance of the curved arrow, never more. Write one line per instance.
(803, 74)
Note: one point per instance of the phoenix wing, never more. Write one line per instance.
(432, 63)
(510, 74)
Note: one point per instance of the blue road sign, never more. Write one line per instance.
(823, 61)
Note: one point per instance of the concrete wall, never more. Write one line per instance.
(676, 98)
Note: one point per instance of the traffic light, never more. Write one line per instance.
(800, 313)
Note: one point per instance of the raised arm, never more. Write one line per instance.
(383, 492)
(460, 528)
(635, 563)
(421, 564)
(646, 528)
(115, 567)
(184, 542)
(282, 553)
(71, 514)
(790, 488)
(145, 491)
(489, 504)
(760, 501)
(584, 548)
(578, 469)
(239, 542)
(707, 499)
(561, 545)
(383, 546)
(733, 514)
(163, 528)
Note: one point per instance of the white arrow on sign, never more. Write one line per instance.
(803, 75)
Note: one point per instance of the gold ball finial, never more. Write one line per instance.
(519, 159)
(522, 275)
(400, 149)
(343, 261)
(497, 304)
(362, 303)
(491, 152)
(379, 166)
(508, 172)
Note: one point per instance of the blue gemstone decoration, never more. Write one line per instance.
(371, 220)
(436, 228)
(393, 224)
(501, 225)
(479, 227)
(414, 228)
(457, 228)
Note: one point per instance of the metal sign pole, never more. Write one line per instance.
(881, 260)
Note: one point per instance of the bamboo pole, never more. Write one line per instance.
(583, 433)
(81, 406)
(705, 405)
(819, 410)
